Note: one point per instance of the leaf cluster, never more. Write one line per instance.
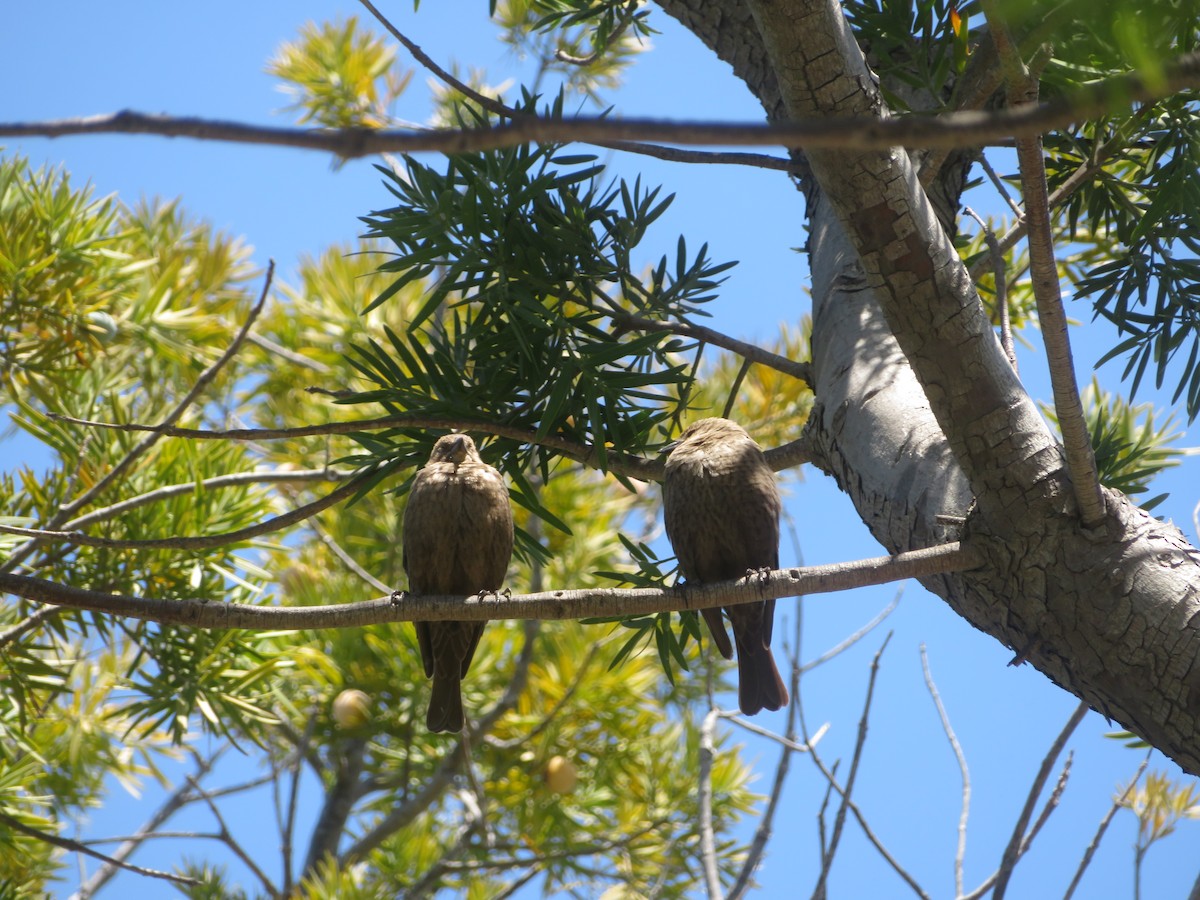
(530, 267)
(339, 75)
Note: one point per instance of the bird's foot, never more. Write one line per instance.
(761, 575)
(397, 597)
(494, 594)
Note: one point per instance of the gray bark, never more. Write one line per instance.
(920, 416)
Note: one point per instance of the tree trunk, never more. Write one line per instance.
(924, 424)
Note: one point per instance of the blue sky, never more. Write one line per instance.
(208, 59)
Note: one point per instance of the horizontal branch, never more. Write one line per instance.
(785, 456)
(967, 128)
(562, 604)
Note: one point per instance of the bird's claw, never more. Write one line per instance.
(397, 597)
(494, 594)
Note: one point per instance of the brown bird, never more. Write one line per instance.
(458, 539)
(721, 508)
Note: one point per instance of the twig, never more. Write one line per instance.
(627, 18)
(203, 381)
(708, 844)
(561, 604)
(76, 847)
(1012, 852)
(1081, 460)
(785, 456)
(227, 838)
(346, 559)
(839, 818)
(789, 743)
(178, 799)
(855, 637)
(488, 103)
(762, 834)
(1001, 187)
(735, 387)
(961, 852)
(1001, 278)
(296, 359)
(30, 622)
(1098, 836)
(287, 829)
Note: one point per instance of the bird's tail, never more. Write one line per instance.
(760, 685)
(445, 704)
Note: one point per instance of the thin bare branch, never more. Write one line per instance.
(1103, 827)
(76, 847)
(1000, 186)
(854, 638)
(560, 604)
(969, 128)
(789, 743)
(762, 834)
(786, 456)
(227, 838)
(30, 622)
(839, 819)
(296, 359)
(1012, 852)
(1000, 274)
(490, 104)
(176, 801)
(961, 852)
(346, 559)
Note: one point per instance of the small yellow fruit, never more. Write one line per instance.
(561, 775)
(351, 708)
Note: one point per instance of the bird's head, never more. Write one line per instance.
(453, 448)
(708, 431)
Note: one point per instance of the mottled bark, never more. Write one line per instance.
(920, 417)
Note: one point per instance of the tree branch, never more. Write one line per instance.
(787, 456)
(1081, 460)
(1095, 842)
(960, 852)
(76, 847)
(1013, 851)
(839, 821)
(956, 129)
(560, 604)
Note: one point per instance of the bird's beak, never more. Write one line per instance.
(458, 450)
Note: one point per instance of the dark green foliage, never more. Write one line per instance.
(529, 318)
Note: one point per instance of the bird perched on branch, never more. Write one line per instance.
(458, 539)
(721, 507)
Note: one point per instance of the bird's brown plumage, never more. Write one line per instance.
(458, 539)
(721, 508)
